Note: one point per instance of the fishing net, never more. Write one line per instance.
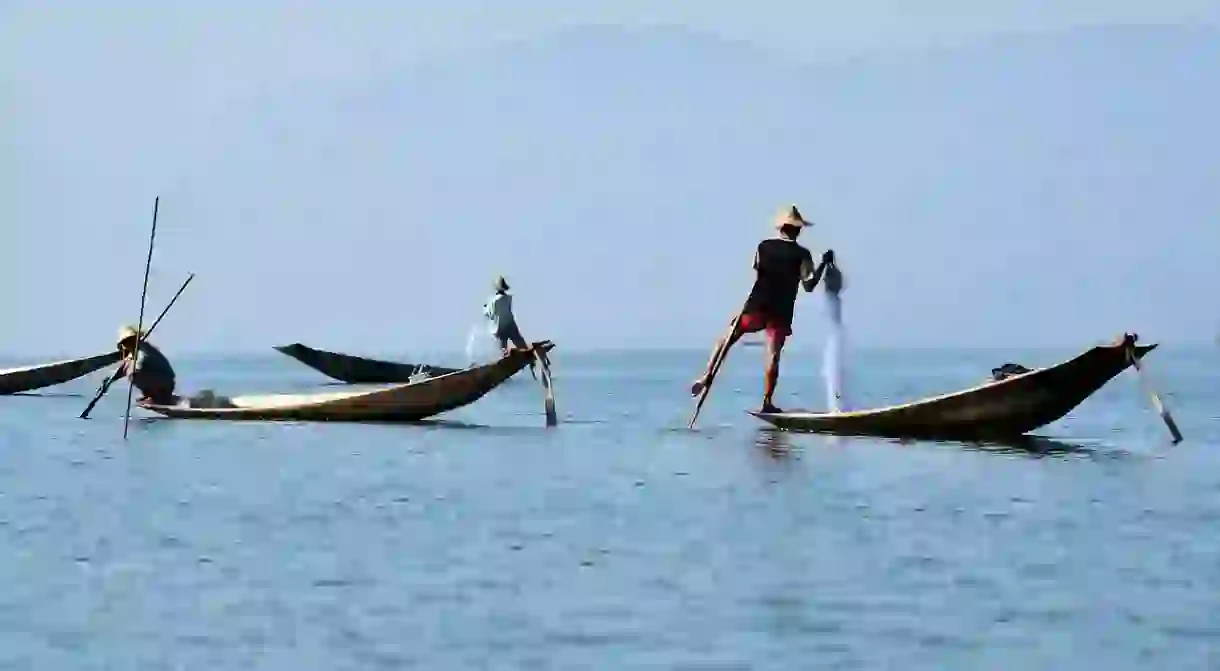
(832, 361)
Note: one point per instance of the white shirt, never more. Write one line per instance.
(499, 310)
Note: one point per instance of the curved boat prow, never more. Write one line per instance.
(291, 350)
(1003, 408)
(29, 378)
(357, 369)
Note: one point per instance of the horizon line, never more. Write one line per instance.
(629, 349)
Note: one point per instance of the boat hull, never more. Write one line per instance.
(357, 369)
(29, 378)
(995, 410)
(407, 402)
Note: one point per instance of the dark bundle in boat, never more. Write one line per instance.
(1008, 370)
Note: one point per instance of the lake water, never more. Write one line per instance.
(618, 539)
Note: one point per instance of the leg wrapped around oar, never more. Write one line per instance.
(703, 385)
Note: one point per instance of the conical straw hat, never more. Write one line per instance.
(127, 333)
(790, 216)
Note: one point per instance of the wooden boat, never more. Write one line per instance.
(29, 378)
(407, 402)
(356, 369)
(997, 409)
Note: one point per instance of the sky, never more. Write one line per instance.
(353, 174)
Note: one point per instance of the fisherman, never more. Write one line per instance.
(781, 265)
(499, 311)
(153, 375)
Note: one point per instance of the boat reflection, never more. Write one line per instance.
(1032, 446)
(1024, 445)
(774, 443)
(779, 444)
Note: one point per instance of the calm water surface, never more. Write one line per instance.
(617, 540)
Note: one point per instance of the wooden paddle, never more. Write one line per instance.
(135, 355)
(106, 383)
(1152, 395)
(722, 352)
(548, 388)
(101, 391)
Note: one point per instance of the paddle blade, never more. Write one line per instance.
(548, 389)
(1155, 399)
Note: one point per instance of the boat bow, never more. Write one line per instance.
(29, 378)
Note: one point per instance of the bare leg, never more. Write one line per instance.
(155, 391)
(730, 338)
(775, 348)
(518, 341)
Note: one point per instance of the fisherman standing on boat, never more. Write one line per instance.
(153, 375)
(782, 265)
(499, 311)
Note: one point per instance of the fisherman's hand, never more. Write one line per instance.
(828, 257)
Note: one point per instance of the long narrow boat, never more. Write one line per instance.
(407, 402)
(999, 409)
(357, 369)
(29, 378)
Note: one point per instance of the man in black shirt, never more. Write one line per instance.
(781, 265)
(152, 375)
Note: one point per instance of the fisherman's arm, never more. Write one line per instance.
(811, 274)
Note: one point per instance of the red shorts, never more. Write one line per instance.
(754, 322)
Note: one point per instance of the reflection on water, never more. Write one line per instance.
(774, 443)
(779, 444)
(1030, 445)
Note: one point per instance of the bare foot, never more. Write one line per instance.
(697, 386)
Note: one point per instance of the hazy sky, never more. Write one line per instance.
(380, 240)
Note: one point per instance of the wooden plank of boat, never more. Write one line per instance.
(29, 378)
(357, 369)
(996, 409)
(407, 402)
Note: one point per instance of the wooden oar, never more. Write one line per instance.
(169, 305)
(548, 389)
(1152, 395)
(106, 383)
(101, 391)
(722, 352)
(135, 355)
